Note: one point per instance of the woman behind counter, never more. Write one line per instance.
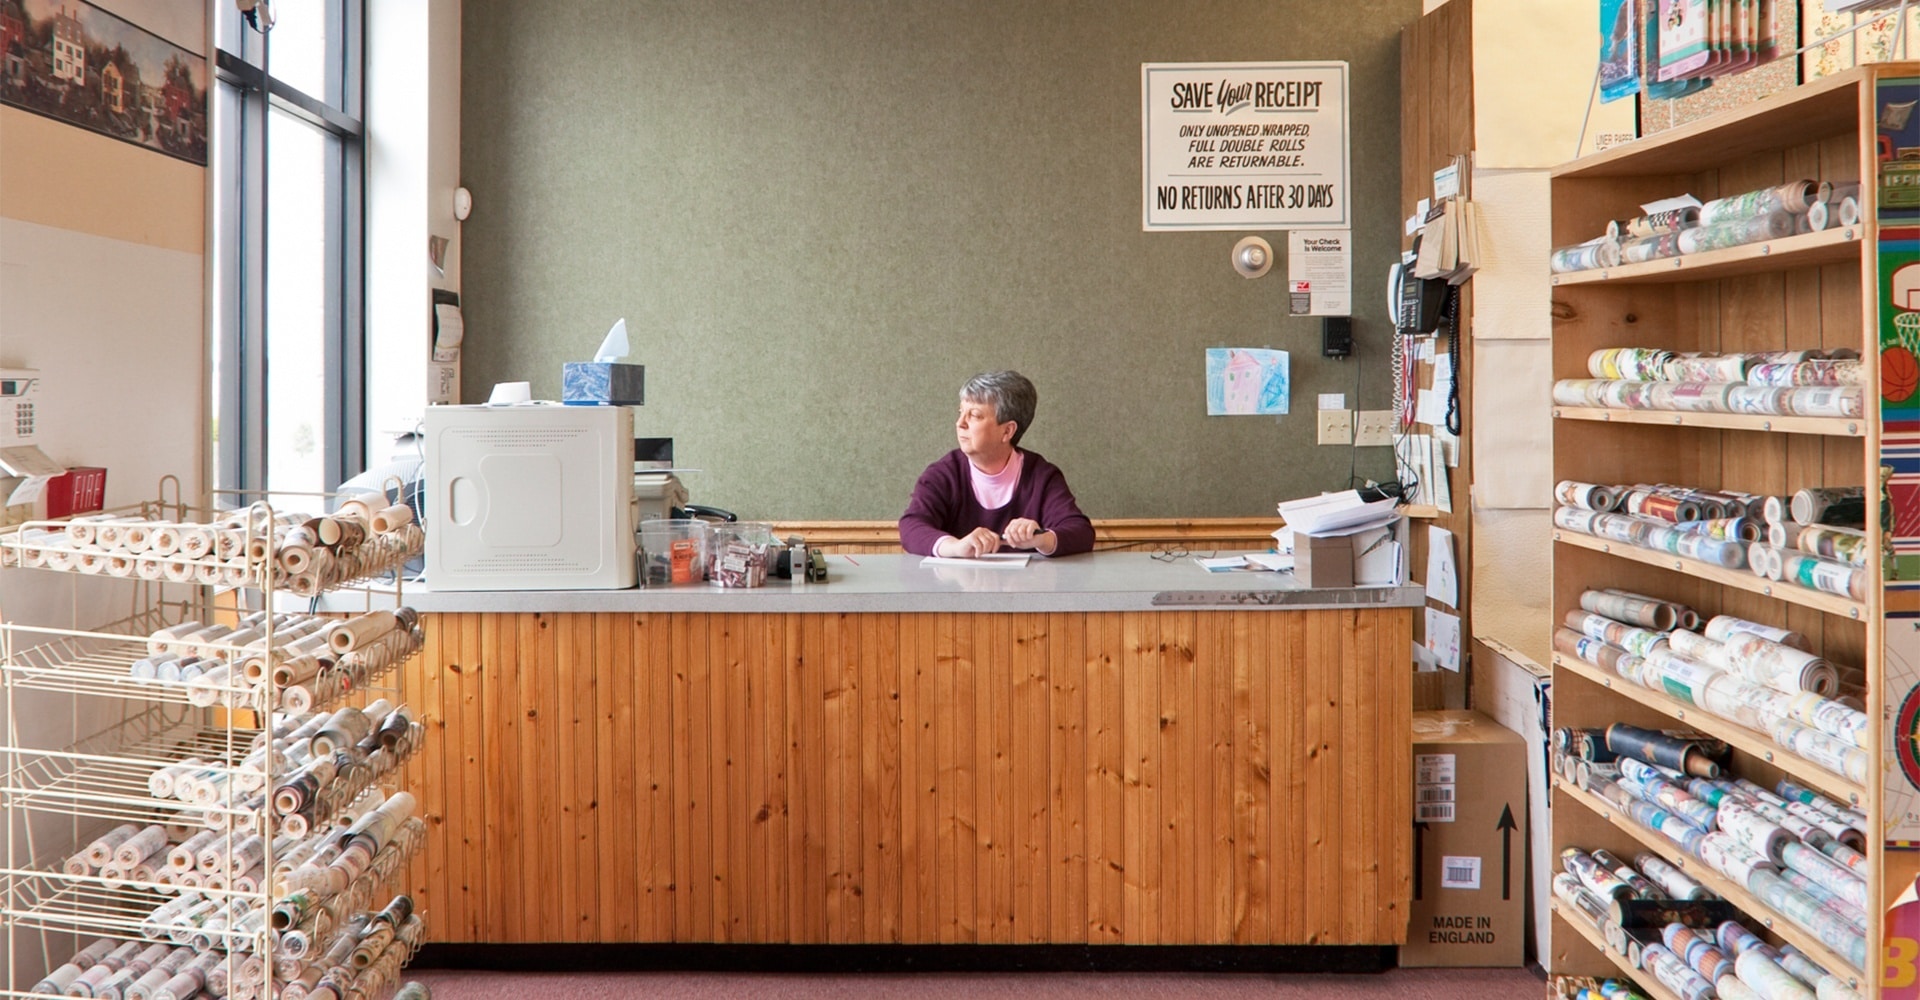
(989, 494)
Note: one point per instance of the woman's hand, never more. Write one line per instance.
(978, 542)
(1026, 533)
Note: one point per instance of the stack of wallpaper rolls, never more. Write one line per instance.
(1689, 940)
(1590, 988)
(1757, 676)
(300, 552)
(369, 842)
(1732, 530)
(1768, 383)
(309, 660)
(363, 960)
(1770, 213)
(325, 764)
(1795, 851)
(318, 883)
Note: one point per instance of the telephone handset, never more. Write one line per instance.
(1416, 303)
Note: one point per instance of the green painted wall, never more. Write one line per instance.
(820, 216)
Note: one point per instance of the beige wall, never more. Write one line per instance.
(53, 174)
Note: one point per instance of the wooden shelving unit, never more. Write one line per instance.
(1829, 246)
(1738, 579)
(1812, 775)
(1813, 291)
(1647, 984)
(1827, 426)
(1763, 919)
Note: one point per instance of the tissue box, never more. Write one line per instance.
(603, 383)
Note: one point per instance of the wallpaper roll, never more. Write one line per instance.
(1707, 368)
(1848, 545)
(1817, 401)
(1643, 249)
(1685, 755)
(1831, 717)
(1763, 837)
(1670, 221)
(1824, 575)
(1643, 612)
(1781, 667)
(1585, 256)
(101, 851)
(1639, 364)
(363, 505)
(1788, 198)
(137, 848)
(1586, 495)
(391, 519)
(1842, 505)
(1721, 628)
(349, 634)
(1675, 974)
(1587, 649)
(1737, 232)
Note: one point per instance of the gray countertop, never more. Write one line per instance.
(1100, 581)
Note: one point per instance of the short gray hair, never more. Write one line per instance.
(1009, 393)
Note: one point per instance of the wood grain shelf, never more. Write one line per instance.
(1843, 427)
(1719, 884)
(1828, 106)
(1739, 579)
(1739, 737)
(1642, 980)
(1830, 246)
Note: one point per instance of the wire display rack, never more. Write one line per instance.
(221, 804)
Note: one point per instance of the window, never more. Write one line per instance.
(287, 253)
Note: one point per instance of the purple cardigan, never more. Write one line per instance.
(943, 504)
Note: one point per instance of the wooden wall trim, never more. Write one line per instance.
(1109, 533)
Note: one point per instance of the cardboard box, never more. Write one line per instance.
(1469, 843)
(1320, 561)
(603, 383)
(1517, 692)
(1367, 558)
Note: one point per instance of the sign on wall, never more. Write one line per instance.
(1244, 145)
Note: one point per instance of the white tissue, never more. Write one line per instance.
(510, 393)
(615, 346)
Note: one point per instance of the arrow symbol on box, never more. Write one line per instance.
(1506, 827)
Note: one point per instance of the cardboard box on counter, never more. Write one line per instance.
(1370, 557)
(1469, 843)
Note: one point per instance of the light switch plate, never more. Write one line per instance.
(1375, 429)
(1336, 427)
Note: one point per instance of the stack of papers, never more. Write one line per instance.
(992, 560)
(1330, 513)
(1265, 561)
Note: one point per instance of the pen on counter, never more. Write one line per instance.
(851, 559)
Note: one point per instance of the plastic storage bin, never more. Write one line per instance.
(673, 552)
(741, 553)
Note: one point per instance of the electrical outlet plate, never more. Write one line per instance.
(1375, 429)
(1336, 426)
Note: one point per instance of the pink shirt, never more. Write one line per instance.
(996, 491)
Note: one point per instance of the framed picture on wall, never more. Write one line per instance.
(77, 63)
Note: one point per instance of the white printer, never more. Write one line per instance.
(533, 496)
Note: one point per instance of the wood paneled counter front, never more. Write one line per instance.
(1106, 749)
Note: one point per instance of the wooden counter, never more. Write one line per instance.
(1221, 775)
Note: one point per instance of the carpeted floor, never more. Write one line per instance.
(1399, 984)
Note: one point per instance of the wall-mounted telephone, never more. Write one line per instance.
(1416, 303)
